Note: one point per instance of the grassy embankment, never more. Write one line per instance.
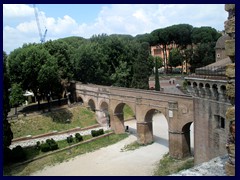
(39, 124)
(168, 165)
(57, 121)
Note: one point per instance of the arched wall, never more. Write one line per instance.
(117, 117)
(92, 104)
(177, 109)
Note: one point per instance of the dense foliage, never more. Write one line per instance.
(96, 133)
(118, 60)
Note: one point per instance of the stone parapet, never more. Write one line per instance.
(230, 71)
(230, 47)
(230, 114)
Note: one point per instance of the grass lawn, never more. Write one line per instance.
(53, 121)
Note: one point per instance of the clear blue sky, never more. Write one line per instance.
(64, 20)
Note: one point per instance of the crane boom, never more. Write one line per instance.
(42, 37)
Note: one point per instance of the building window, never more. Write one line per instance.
(220, 122)
(157, 51)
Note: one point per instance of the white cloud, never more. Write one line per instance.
(114, 19)
(17, 10)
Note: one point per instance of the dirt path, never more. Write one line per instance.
(111, 161)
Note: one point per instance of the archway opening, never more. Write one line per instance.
(91, 105)
(80, 100)
(124, 117)
(159, 126)
(188, 135)
(103, 116)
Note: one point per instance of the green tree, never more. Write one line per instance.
(204, 54)
(142, 68)
(16, 96)
(120, 77)
(7, 132)
(158, 63)
(30, 58)
(175, 58)
(205, 39)
(204, 35)
(160, 38)
(49, 79)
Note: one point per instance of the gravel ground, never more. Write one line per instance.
(111, 161)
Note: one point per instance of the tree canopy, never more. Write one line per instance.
(118, 60)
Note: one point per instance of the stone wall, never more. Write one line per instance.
(210, 129)
(230, 88)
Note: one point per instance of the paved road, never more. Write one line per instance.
(111, 161)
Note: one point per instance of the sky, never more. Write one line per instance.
(85, 20)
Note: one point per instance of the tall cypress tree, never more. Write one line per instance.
(142, 68)
(157, 84)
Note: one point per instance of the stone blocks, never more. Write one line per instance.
(230, 114)
(230, 47)
(145, 133)
(230, 71)
(230, 90)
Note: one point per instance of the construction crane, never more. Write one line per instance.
(42, 37)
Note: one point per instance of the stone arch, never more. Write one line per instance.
(223, 88)
(103, 105)
(187, 139)
(195, 84)
(152, 125)
(102, 114)
(80, 99)
(200, 85)
(215, 91)
(207, 85)
(91, 104)
(119, 117)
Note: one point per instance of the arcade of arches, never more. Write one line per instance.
(108, 104)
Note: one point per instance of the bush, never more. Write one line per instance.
(7, 155)
(50, 145)
(70, 139)
(45, 147)
(78, 137)
(96, 133)
(38, 145)
(18, 154)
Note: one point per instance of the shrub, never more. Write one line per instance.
(50, 145)
(45, 147)
(18, 154)
(70, 139)
(53, 145)
(38, 145)
(78, 137)
(97, 132)
(7, 155)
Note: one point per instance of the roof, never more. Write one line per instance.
(220, 44)
(217, 68)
